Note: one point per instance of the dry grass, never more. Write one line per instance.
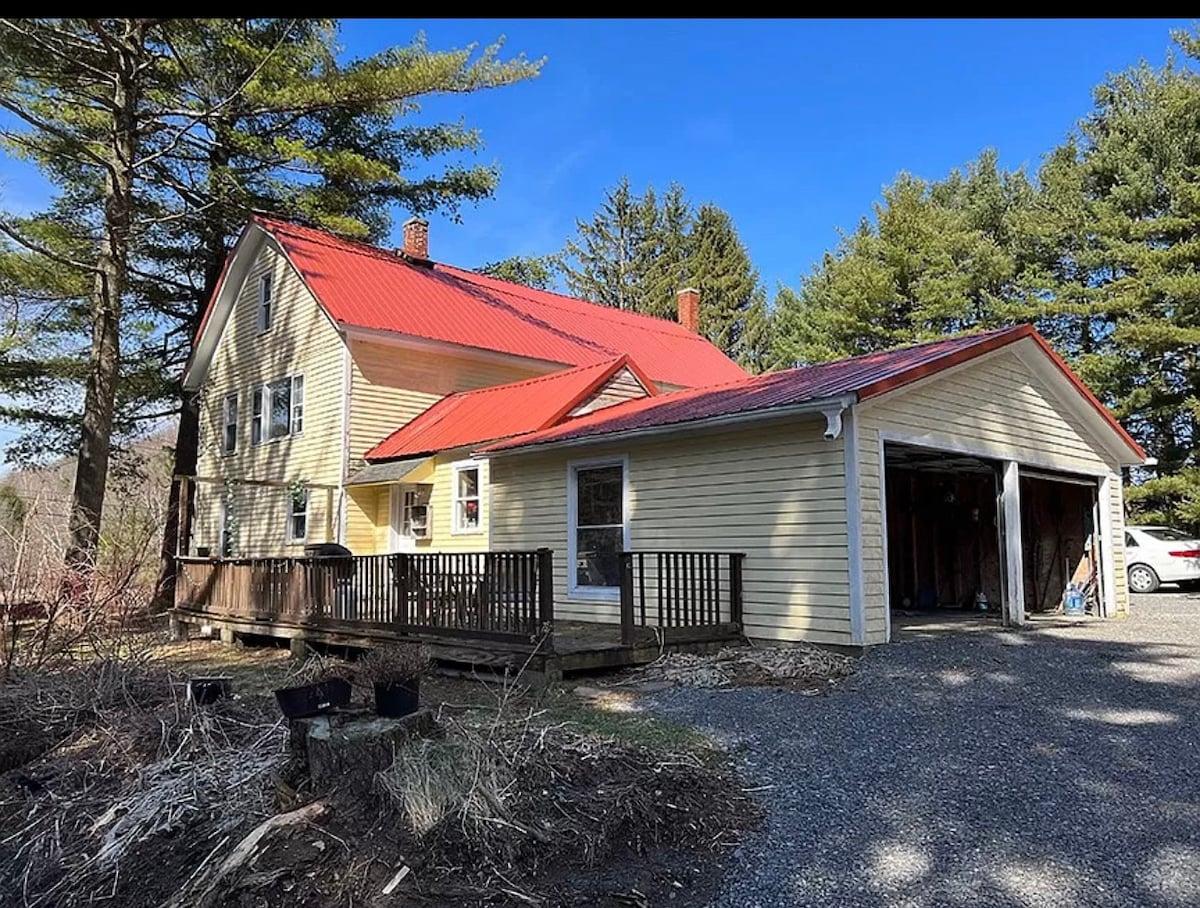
(796, 665)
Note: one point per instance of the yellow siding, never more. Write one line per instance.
(621, 387)
(996, 406)
(301, 341)
(390, 385)
(775, 493)
(368, 516)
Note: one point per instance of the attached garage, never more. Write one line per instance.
(972, 472)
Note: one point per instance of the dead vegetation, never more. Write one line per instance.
(138, 797)
(791, 665)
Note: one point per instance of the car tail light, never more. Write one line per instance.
(1186, 553)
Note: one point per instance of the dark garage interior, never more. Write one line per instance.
(944, 533)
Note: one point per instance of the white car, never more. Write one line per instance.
(1161, 555)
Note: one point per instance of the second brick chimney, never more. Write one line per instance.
(689, 309)
(416, 239)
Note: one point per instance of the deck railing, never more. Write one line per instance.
(680, 592)
(488, 595)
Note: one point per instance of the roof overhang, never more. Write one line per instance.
(220, 307)
(386, 472)
(831, 408)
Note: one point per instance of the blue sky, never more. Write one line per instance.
(793, 127)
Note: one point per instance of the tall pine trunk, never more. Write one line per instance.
(104, 362)
(178, 529)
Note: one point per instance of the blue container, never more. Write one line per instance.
(1073, 602)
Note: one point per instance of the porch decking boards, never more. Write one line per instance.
(487, 609)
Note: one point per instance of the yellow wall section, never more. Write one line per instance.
(390, 385)
(996, 403)
(369, 513)
(301, 340)
(775, 493)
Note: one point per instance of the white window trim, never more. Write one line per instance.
(597, 593)
(266, 302)
(223, 531)
(236, 398)
(264, 434)
(292, 539)
(456, 468)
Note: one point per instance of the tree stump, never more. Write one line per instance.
(345, 750)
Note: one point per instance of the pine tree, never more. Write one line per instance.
(936, 258)
(637, 252)
(537, 271)
(231, 116)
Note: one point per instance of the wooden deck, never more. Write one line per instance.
(486, 611)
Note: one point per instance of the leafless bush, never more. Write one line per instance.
(53, 616)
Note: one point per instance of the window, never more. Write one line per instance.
(414, 520)
(277, 410)
(297, 527)
(264, 303)
(298, 405)
(225, 540)
(466, 497)
(1130, 541)
(229, 418)
(597, 514)
(1165, 534)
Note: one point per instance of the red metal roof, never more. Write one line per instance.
(363, 286)
(501, 411)
(863, 376)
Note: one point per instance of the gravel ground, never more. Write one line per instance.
(1058, 766)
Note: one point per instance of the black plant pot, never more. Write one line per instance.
(205, 691)
(313, 699)
(396, 699)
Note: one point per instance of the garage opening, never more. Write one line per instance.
(944, 548)
(946, 534)
(1058, 539)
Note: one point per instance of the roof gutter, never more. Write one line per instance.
(831, 408)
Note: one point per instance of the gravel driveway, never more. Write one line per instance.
(1058, 766)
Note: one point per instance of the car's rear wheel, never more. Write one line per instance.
(1142, 579)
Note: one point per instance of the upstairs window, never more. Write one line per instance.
(467, 500)
(264, 303)
(229, 423)
(277, 410)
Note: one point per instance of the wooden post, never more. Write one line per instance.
(329, 515)
(545, 583)
(181, 539)
(735, 587)
(627, 598)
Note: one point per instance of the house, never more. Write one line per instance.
(418, 414)
(314, 349)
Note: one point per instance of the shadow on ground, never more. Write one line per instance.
(1058, 766)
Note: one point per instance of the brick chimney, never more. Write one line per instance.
(689, 309)
(416, 239)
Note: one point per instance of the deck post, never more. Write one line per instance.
(627, 599)
(735, 587)
(545, 569)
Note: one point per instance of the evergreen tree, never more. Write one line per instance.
(230, 116)
(537, 271)
(936, 258)
(636, 252)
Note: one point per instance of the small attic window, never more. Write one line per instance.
(264, 303)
